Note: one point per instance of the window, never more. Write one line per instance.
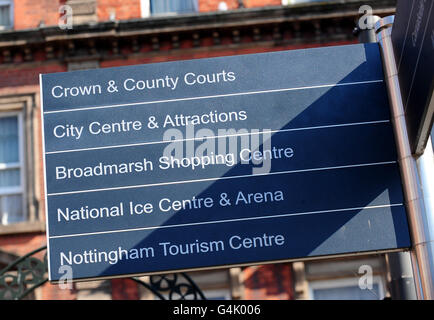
(345, 289)
(214, 284)
(6, 14)
(165, 7)
(12, 209)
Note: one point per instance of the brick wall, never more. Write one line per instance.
(30, 13)
(163, 57)
(261, 3)
(124, 289)
(22, 76)
(124, 10)
(53, 292)
(21, 244)
(212, 5)
(268, 282)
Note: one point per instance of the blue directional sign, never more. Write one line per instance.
(413, 44)
(219, 162)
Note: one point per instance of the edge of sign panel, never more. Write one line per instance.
(247, 264)
(220, 266)
(47, 225)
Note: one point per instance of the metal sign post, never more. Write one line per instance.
(418, 216)
(399, 264)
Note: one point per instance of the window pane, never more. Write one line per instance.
(10, 178)
(9, 140)
(178, 6)
(347, 293)
(11, 209)
(5, 16)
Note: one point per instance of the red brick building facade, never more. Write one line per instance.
(108, 33)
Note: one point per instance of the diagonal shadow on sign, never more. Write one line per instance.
(353, 208)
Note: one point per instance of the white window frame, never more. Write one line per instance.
(345, 282)
(145, 8)
(10, 3)
(9, 191)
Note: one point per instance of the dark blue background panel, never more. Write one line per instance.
(333, 188)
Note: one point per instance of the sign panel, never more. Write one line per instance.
(215, 162)
(413, 44)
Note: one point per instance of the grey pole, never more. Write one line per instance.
(398, 263)
(401, 285)
(366, 35)
(414, 175)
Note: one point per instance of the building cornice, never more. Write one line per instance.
(311, 23)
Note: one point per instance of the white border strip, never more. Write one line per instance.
(227, 220)
(220, 178)
(216, 96)
(217, 137)
(47, 225)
